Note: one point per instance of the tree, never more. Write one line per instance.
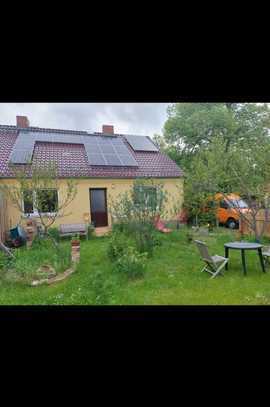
(136, 210)
(39, 189)
(193, 126)
(248, 174)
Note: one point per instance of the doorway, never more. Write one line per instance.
(98, 207)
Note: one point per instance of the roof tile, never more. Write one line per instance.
(72, 160)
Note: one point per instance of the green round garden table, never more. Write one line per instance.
(244, 246)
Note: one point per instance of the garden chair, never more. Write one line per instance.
(214, 264)
(266, 255)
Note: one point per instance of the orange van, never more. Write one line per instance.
(226, 213)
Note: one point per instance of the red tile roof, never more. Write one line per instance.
(72, 160)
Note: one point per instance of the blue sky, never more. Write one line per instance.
(133, 118)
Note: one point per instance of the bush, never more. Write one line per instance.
(131, 263)
(90, 230)
(205, 218)
(146, 238)
(54, 233)
(120, 227)
(27, 262)
(117, 245)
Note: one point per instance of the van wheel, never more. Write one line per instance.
(232, 224)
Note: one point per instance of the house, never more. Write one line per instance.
(104, 165)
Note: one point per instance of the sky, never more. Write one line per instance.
(133, 118)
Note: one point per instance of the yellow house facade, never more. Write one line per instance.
(79, 156)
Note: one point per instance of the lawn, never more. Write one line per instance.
(172, 277)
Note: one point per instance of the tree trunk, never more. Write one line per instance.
(257, 236)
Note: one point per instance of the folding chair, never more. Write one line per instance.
(266, 255)
(214, 264)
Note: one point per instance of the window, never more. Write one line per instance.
(45, 199)
(28, 202)
(224, 205)
(239, 203)
(145, 195)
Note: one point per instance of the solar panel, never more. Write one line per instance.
(141, 143)
(90, 140)
(112, 159)
(93, 148)
(96, 159)
(127, 160)
(21, 156)
(106, 149)
(100, 150)
(122, 149)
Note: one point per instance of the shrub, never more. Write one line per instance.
(27, 262)
(134, 213)
(145, 240)
(131, 263)
(205, 218)
(117, 245)
(54, 233)
(90, 230)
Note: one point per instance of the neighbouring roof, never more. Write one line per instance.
(71, 159)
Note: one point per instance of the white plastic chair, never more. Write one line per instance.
(214, 264)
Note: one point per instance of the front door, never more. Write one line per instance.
(98, 207)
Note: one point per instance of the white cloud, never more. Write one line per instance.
(134, 118)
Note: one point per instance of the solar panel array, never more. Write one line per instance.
(141, 143)
(107, 151)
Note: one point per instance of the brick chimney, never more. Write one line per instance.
(22, 121)
(107, 129)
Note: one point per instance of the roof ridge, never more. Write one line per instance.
(42, 129)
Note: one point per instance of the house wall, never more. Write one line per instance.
(81, 205)
(3, 217)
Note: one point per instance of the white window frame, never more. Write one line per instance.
(145, 187)
(35, 214)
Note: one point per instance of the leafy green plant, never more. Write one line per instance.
(118, 243)
(26, 263)
(76, 238)
(131, 263)
(53, 232)
(90, 230)
(145, 238)
(135, 212)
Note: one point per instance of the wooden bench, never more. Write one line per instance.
(73, 229)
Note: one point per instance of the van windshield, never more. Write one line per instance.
(238, 203)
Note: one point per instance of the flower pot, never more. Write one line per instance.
(75, 243)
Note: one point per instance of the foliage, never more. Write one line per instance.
(191, 127)
(207, 218)
(38, 185)
(102, 286)
(131, 263)
(134, 212)
(246, 174)
(53, 232)
(76, 237)
(173, 278)
(90, 231)
(26, 262)
(117, 245)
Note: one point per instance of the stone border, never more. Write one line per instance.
(52, 280)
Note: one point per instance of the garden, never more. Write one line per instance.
(170, 277)
(223, 149)
(135, 264)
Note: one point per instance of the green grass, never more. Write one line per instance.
(172, 277)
